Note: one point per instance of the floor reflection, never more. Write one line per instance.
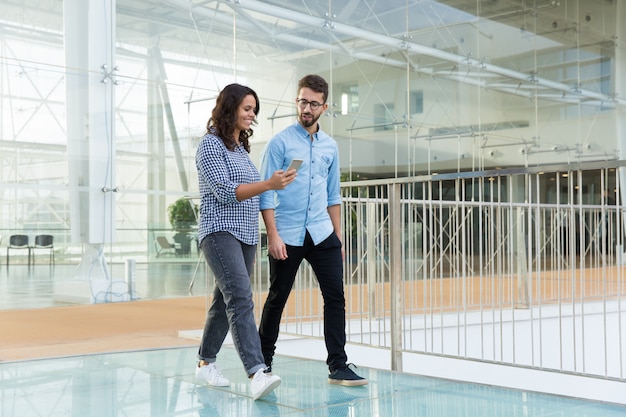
(161, 383)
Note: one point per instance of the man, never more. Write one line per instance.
(303, 221)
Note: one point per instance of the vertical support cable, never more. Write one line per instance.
(235, 41)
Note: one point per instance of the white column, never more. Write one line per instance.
(89, 28)
(89, 39)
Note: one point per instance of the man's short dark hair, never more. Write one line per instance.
(315, 83)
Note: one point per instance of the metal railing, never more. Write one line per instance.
(519, 267)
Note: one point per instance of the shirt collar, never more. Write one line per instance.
(305, 132)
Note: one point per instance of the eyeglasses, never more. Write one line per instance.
(302, 103)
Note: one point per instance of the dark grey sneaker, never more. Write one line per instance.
(346, 377)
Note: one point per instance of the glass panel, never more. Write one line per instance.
(418, 87)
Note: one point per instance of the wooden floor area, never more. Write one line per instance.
(97, 328)
(151, 324)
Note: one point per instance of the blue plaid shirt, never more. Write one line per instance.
(303, 205)
(220, 171)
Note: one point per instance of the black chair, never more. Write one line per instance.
(21, 242)
(44, 242)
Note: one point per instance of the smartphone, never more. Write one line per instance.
(295, 164)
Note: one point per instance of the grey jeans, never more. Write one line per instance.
(232, 308)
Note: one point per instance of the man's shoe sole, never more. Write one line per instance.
(348, 382)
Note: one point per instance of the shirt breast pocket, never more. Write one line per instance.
(323, 166)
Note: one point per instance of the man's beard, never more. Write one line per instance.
(310, 123)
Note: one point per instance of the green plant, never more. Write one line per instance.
(182, 214)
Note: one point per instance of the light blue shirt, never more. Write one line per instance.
(303, 204)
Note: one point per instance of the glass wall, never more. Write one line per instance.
(102, 103)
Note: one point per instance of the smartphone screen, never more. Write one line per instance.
(295, 164)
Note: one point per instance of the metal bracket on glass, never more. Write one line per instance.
(109, 76)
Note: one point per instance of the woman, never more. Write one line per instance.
(229, 214)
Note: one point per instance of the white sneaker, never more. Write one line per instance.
(263, 384)
(212, 375)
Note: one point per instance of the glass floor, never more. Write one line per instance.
(162, 383)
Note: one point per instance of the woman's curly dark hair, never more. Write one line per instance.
(224, 116)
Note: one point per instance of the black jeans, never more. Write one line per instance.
(327, 264)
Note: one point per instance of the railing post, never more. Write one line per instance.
(372, 257)
(395, 274)
(519, 193)
(523, 277)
